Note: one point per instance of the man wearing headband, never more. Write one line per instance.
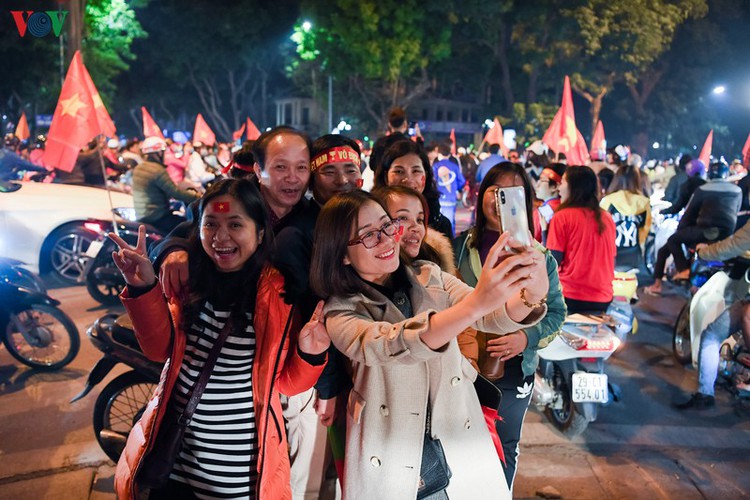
(335, 167)
(548, 191)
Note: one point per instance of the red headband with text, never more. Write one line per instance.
(554, 176)
(335, 155)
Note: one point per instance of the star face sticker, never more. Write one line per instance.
(71, 105)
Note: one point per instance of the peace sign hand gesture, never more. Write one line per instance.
(314, 339)
(132, 262)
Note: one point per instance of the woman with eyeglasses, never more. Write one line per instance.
(397, 324)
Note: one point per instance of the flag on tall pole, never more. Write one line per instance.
(746, 152)
(202, 132)
(598, 143)
(705, 155)
(104, 121)
(453, 141)
(563, 136)
(22, 129)
(252, 131)
(76, 120)
(150, 128)
(495, 136)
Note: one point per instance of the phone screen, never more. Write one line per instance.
(511, 208)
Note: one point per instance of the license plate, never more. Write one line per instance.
(590, 388)
(94, 248)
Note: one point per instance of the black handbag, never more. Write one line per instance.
(158, 463)
(434, 474)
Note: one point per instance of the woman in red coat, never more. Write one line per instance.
(235, 444)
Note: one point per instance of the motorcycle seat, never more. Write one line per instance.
(122, 332)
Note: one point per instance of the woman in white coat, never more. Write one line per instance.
(398, 325)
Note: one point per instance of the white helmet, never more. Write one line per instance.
(153, 144)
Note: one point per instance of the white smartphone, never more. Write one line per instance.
(511, 207)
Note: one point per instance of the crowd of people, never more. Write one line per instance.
(314, 301)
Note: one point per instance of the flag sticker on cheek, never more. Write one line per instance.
(221, 206)
(359, 183)
(399, 233)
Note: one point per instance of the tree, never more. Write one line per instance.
(621, 40)
(382, 49)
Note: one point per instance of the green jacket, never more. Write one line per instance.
(152, 191)
(539, 336)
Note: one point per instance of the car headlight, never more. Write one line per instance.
(127, 213)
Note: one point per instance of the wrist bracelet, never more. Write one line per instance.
(530, 305)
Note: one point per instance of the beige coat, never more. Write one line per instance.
(393, 373)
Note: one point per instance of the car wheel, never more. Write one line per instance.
(66, 252)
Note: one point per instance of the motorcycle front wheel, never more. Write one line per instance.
(119, 406)
(565, 419)
(42, 337)
(106, 291)
(681, 346)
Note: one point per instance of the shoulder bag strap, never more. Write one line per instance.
(194, 396)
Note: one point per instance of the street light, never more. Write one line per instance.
(719, 89)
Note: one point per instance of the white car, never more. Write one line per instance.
(48, 226)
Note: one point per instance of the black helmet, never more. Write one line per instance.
(719, 169)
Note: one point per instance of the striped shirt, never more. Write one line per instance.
(220, 451)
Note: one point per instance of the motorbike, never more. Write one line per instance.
(570, 384)
(34, 330)
(12, 271)
(715, 286)
(122, 401)
(103, 280)
(734, 365)
(662, 227)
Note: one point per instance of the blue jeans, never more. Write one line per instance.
(728, 322)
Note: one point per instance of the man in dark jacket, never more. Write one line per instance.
(153, 189)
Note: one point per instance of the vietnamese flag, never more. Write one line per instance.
(22, 129)
(746, 152)
(237, 134)
(453, 141)
(598, 143)
(705, 155)
(252, 131)
(495, 136)
(105, 123)
(562, 136)
(150, 128)
(202, 132)
(75, 121)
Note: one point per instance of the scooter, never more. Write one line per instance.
(715, 288)
(122, 401)
(570, 384)
(34, 330)
(13, 271)
(103, 280)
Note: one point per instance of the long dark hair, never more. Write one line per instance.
(205, 280)
(627, 178)
(403, 148)
(583, 192)
(493, 174)
(329, 276)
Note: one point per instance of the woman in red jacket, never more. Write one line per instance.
(235, 445)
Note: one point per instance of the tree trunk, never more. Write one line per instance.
(533, 84)
(75, 28)
(502, 57)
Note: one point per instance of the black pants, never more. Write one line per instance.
(689, 236)
(517, 391)
(585, 306)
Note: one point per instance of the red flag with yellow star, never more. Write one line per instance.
(563, 136)
(75, 121)
(202, 132)
(705, 155)
(22, 129)
(150, 128)
(495, 136)
(237, 134)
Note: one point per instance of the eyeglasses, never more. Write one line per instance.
(371, 239)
